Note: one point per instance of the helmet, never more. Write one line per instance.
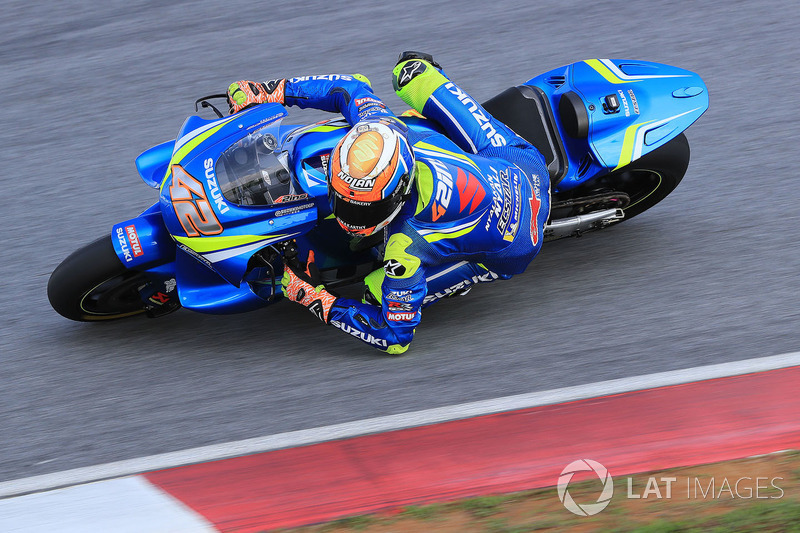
(371, 173)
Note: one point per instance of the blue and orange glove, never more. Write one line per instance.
(245, 93)
(304, 286)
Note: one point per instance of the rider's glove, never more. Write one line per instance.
(245, 93)
(304, 287)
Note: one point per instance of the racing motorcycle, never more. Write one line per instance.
(241, 194)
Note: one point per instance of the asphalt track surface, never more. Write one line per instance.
(707, 276)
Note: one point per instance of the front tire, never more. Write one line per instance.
(93, 285)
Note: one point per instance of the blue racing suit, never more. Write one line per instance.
(477, 212)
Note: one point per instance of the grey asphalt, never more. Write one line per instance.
(708, 276)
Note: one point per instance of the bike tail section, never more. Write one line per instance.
(606, 113)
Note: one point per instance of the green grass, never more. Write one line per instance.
(424, 512)
(484, 506)
(356, 523)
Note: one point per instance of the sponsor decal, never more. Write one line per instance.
(123, 243)
(400, 317)
(444, 189)
(394, 268)
(197, 256)
(411, 70)
(461, 285)
(324, 160)
(159, 298)
(633, 101)
(536, 204)
(293, 210)
(506, 204)
(403, 296)
(133, 238)
(264, 122)
(469, 188)
(478, 114)
(369, 110)
(357, 184)
(399, 306)
(286, 198)
(213, 188)
(624, 102)
(366, 100)
(366, 337)
(170, 285)
(329, 77)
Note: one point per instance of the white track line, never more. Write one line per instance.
(124, 505)
(392, 422)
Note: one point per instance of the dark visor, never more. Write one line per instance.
(360, 215)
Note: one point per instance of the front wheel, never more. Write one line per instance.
(92, 284)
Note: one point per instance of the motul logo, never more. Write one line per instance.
(400, 317)
(133, 238)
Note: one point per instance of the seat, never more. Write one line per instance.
(526, 110)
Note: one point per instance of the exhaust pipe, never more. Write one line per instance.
(576, 226)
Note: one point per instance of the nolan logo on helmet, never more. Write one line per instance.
(357, 184)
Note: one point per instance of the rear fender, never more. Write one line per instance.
(143, 242)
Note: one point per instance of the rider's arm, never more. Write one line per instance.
(466, 122)
(350, 95)
(390, 325)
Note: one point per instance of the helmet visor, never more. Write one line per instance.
(362, 217)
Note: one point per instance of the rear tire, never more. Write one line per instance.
(92, 285)
(645, 181)
(649, 179)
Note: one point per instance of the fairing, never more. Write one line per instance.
(207, 225)
(655, 103)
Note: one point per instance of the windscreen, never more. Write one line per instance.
(251, 173)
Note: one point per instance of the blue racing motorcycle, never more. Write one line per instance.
(241, 194)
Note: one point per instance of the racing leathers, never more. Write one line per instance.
(476, 213)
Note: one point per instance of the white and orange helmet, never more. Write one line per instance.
(371, 171)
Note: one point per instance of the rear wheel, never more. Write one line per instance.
(634, 188)
(92, 284)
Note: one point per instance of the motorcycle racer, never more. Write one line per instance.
(463, 206)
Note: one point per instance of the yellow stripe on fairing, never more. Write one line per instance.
(213, 244)
(628, 144)
(605, 72)
(325, 128)
(184, 150)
